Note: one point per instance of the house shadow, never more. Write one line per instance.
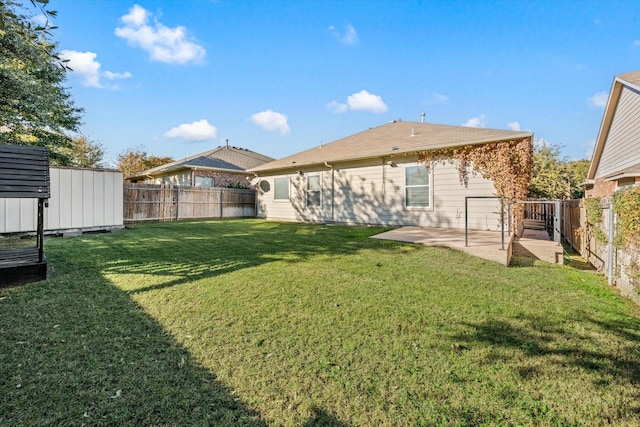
(82, 352)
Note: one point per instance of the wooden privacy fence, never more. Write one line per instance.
(577, 233)
(145, 202)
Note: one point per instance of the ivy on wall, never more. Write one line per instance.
(594, 218)
(626, 204)
(509, 164)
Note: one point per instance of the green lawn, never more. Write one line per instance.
(247, 322)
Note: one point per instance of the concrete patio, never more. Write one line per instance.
(483, 244)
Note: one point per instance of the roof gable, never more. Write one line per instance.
(393, 138)
(223, 158)
(618, 144)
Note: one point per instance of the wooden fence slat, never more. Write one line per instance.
(151, 202)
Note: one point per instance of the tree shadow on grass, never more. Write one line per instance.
(536, 337)
(178, 253)
(80, 352)
(544, 346)
(321, 418)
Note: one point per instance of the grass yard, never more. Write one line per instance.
(247, 322)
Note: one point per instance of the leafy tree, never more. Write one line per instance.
(548, 181)
(84, 153)
(577, 171)
(35, 108)
(135, 160)
(553, 176)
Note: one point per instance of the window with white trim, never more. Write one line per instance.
(281, 191)
(314, 190)
(204, 181)
(417, 186)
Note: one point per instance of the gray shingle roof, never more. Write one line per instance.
(227, 158)
(391, 139)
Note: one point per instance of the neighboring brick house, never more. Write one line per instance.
(616, 157)
(223, 166)
(615, 165)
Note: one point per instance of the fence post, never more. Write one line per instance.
(221, 199)
(177, 203)
(557, 221)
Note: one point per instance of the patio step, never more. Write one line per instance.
(534, 224)
(544, 250)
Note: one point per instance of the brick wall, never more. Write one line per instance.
(226, 179)
(601, 188)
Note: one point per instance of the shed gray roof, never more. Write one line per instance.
(393, 138)
(223, 158)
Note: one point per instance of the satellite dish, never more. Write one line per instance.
(264, 186)
(255, 180)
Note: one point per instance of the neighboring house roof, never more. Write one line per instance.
(392, 139)
(224, 159)
(629, 83)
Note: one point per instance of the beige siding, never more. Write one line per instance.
(80, 199)
(621, 147)
(368, 193)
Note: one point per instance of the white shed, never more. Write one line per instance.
(81, 200)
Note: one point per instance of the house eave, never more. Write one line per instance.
(158, 174)
(388, 153)
(620, 176)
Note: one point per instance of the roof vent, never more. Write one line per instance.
(413, 133)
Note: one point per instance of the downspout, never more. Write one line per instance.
(332, 189)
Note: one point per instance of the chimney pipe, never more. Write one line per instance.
(422, 115)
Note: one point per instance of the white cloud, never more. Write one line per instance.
(113, 76)
(437, 98)
(85, 65)
(513, 126)
(271, 120)
(164, 44)
(599, 99)
(476, 122)
(361, 101)
(349, 37)
(365, 101)
(337, 107)
(199, 130)
(636, 42)
(40, 20)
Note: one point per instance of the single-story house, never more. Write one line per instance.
(615, 163)
(375, 177)
(221, 167)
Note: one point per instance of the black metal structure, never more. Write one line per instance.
(24, 173)
(502, 230)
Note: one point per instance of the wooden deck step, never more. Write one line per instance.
(534, 224)
(18, 256)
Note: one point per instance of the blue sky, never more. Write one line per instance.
(278, 77)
